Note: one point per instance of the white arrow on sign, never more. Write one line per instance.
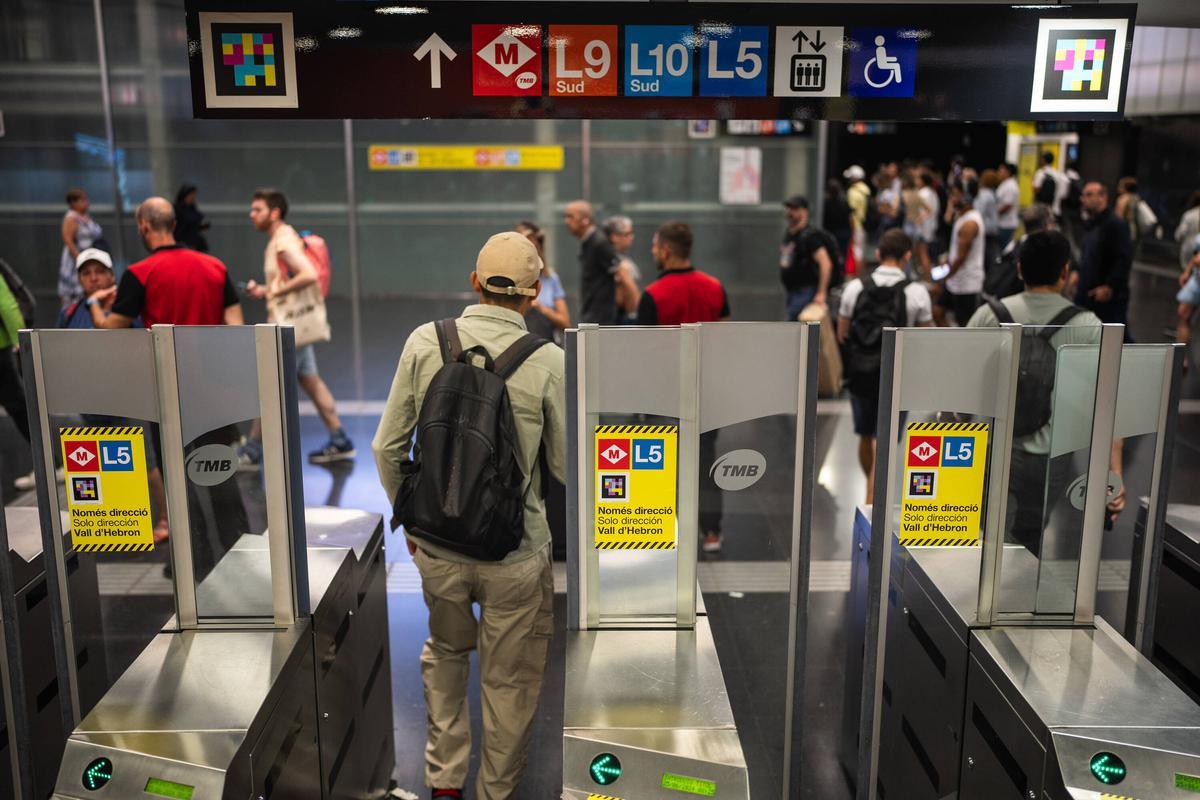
(435, 47)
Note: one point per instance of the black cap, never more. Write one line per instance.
(796, 201)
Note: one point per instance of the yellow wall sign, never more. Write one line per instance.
(107, 493)
(944, 468)
(400, 157)
(637, 474)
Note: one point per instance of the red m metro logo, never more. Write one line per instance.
(82, 456)
(612, 453)
(923, 451)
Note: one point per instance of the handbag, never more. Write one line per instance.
(304, 310)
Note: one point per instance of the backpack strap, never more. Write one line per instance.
(1000, 310)
(448, 341)
(1066, 315)
(507, 362)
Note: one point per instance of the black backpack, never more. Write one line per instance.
(1035, 386)
(462, 490)
(877, 307)
(837, 273)
(1001, 278)
(1047, 191)
(25, 300)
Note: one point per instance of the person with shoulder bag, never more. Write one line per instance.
(292, 290)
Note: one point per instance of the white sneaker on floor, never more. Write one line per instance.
(27, 483)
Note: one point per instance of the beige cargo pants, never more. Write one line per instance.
(512, 634)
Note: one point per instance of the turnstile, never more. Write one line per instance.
(41, 683)
(1016, 711)
(232, 714)
(1169, 615)
(647, 715)
(272, 677)
(987, 673)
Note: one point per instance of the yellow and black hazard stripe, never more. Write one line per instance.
(127, 431)
(930, 427)
(104, 547)
(1116, 797)
(634, 429)
(602, 797)
(635, 545)
(941, 542)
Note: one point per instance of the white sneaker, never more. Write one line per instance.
(25, 482)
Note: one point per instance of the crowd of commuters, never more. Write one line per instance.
(911, 246)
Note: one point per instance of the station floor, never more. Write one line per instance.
(744, 586)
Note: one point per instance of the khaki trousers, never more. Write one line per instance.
(512, 634)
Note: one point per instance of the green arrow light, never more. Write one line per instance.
(98, 774)
(1108, 768)
(605, 769)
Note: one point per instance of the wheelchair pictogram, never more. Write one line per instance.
(882, 62)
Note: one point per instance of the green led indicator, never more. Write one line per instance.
(682, 783)
(98, 774)
(1108, 768)
(1189, 783)
(175, 791)
(605, 769)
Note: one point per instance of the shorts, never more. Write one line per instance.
(961, 305)
(306, 361)
(1189, 293)
(865, 410)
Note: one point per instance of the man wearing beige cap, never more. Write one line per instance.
(515, 594)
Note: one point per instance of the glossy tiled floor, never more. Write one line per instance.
(744, 587)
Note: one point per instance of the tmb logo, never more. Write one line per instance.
(738, 469)
(212, 464)
(507, 61)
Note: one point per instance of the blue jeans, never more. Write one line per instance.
(797, 300)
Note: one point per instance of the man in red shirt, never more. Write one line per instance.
(683, 294)
(171, 286)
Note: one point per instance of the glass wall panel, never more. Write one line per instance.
(54, 134)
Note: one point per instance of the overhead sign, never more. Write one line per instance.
(944, 468)
(410, 158)
(669, 60)
(108, 496)
(637, 476)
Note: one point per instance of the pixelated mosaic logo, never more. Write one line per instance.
(85, 489)
(1080, 65)
(922, 485)
(614, 488)
(249, 60)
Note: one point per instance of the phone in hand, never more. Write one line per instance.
(940, 272)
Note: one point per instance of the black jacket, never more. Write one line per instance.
(1107, 258)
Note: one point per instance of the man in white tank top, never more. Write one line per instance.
(964, 282)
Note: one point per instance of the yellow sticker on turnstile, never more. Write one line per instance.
(107, 493)
(636, 479)
(944, 468)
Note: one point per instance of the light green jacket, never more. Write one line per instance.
(10, 317)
